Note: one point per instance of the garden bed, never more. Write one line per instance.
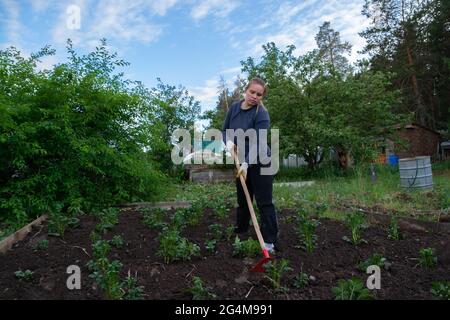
(222, 273)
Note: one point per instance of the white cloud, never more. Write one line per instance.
(162, 6)
(298, 24)
(206, 94)
(47, 63)
(120, 21)
(231, 70)
(41, 5)
(218, 8)
(10, 19)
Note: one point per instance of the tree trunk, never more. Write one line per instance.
(421, 116)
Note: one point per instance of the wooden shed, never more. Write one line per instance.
(414, 140)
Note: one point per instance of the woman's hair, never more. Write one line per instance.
(259, 81)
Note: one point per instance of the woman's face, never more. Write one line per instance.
(254, 94)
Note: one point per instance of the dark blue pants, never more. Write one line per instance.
(260, 187)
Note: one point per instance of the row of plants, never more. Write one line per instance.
(346, 289)
(106, 272)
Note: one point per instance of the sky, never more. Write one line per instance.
(190, 43)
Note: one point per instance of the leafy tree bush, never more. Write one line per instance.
(79, 136)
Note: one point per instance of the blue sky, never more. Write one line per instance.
(191, 42)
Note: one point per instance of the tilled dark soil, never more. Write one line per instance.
(225, 275)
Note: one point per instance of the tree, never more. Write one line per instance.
(171, 108)
(316, 110)
(217, 115)
(332, 49)
(408, 37)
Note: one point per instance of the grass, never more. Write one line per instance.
(341, 194)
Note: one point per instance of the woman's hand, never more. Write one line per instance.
(243, 170)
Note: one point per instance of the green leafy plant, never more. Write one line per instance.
(275, 271)
(215, 230)
(155, 218)
(375, 260)
(210, 245)
(117, 241)
(320, 209)
(306, 229)
(198, 291)
(173, 247)
(221, 210)
(301, 280)
(352, 289)
(26, 275)
(355, 222)
(104, 272)
(441, 289)
(58, 222)
(69, 137)
(247, 248)
(229, 232)
(42, 244)
(427, 258)
(95, 236)
(108, 219)
(132, 290)
(394, 231)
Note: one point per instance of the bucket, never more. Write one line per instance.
(393, 160)
(416, 173)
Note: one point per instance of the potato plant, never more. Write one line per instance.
(173, 247)
(247, 248)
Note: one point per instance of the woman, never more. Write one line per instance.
(246, 114)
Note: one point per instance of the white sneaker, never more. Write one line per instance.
(270, 247)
